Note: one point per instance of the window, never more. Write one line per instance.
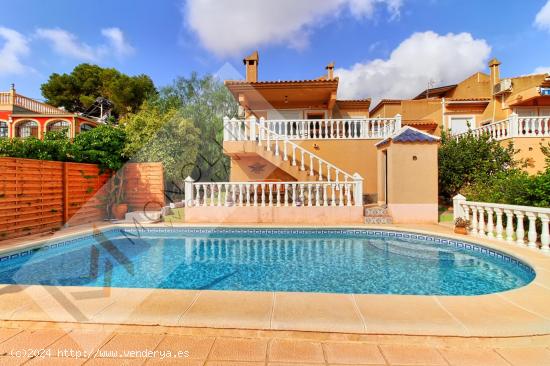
(26, 129)
(85, 127)
(461, 124)
(59, 126)
(3, 129)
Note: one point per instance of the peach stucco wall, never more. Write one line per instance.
(412, 184)
(275, 215)
(529, 150)
(249, 168)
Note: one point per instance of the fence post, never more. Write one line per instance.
(188, 190)
(458, 211)
(226, 133)
(358, 189)
(65, 200)
(514, 125)
(397, 122)
(252, 122)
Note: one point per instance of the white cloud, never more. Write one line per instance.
(231, 27)
(542, 70)
(420, 58)
(542, 19)
(68, 44)
(118, 42)
(14, 46)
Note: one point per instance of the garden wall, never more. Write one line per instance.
(38, 196)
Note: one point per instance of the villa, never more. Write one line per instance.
(513, 109)
(21, 116)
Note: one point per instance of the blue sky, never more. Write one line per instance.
(382, 48)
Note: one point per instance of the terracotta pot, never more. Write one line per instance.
(119, 211)
(461, 230)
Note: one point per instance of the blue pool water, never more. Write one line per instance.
(341, 261)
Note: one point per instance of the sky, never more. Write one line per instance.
(382, 48)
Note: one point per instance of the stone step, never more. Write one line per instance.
(377, 215)
(378, 220)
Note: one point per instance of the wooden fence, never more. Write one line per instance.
(39, 196)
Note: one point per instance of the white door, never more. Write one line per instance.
(461, 124)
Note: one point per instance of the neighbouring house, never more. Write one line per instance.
(22, 117)
(515, 109)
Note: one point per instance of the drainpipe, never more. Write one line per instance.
(443, 122)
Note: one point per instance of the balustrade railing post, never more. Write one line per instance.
(532, 232)
(188, 191)
(252, 128)
(520, 232)
(545, 234)
(514, 125)
(358, 194)
(397, 122)
(458, 210)
(498, 213)
(509, 226)
(226, 129)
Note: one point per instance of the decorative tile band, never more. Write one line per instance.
(133, 231)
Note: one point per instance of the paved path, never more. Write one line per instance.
(224, 347)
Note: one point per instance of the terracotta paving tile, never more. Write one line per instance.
(12, 361)
(239, 349)
(173, 362)
(31, 340)
(56, 361)
(526, 356)
(80, 341)
(405, 355)
(131, 342)
(353, 353)
(7, 333)
(286, 350)
(115, 362)
(472, 357)
(197, 347)
(234, 363)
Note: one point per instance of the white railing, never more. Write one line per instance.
(317, 129)
(35, 106)
(513, 126)
(274, 194)
(506, 222)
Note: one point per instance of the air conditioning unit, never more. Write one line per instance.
(505, 85)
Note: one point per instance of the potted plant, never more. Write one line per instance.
(462, 225)
(118, 207)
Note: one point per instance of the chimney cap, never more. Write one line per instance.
(253, 57)
(330, 66)
(494, 62)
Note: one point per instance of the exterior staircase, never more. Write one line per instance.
(377, 215)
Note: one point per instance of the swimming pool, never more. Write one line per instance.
(304, 260)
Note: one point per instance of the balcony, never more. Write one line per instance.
(311, 129)
(513, 126)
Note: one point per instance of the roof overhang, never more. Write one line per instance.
(284, 94)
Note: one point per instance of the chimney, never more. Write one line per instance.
(251, 64)
(495, 71)
(330, 71)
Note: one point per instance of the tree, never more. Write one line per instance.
(470, 159)
(204, 101)
(162, 136)
(103, 145)
(78, 90)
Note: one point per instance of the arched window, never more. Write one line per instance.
(27, 129)
(3, 129)
(85, 127)
(58, 126)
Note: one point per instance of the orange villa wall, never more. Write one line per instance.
(529, 150)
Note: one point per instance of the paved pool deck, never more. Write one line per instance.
(520, 312)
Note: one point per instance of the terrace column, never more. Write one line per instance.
(458, 201)
(188, 190)
(397, 122)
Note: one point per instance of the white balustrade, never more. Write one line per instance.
(512, 228)
(513, 126)
(273, 194)
(311, 129)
